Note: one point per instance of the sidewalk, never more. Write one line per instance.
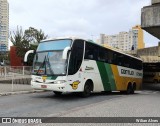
(9, 89)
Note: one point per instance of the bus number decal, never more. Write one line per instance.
(75, 84)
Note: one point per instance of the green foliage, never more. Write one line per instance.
(27, 40)
(17, 37)
(35, 36)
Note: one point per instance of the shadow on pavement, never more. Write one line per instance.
(151, 86)
(72, 96)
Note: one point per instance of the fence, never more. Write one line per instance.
(15, 78)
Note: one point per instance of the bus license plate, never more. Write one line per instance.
(43, 86)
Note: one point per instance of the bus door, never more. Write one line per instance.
(75, 73)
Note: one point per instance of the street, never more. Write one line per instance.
(46, 103)
(143, 103)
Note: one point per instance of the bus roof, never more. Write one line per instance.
(90, 41)
(59, 38)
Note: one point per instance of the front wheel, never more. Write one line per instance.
(87, 90)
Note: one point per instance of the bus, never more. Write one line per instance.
(82, 66)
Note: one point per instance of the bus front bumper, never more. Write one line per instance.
(49, 87)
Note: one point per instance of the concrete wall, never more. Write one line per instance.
(150, 54)
(151, 16)
(155, 1)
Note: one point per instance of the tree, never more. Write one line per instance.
(18, 39)
(35, 36)
(27, 40)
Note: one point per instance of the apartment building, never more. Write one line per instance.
(4, 25)
(124, 41)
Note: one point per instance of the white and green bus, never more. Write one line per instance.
(78, 65)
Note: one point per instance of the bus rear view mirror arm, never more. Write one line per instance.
(26, 55)
(65, 51)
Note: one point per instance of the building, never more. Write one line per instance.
(150, 57)
(124, 41)
(150, 22)
(150, 18)
(4, 25)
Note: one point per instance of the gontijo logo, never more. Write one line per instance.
(128, 72)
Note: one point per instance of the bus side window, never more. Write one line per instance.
(110, 56)
(101, 55)
(106, 56)
(90, 51)
(120, 59)
(89, 54)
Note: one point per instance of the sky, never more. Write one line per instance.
(82, 18)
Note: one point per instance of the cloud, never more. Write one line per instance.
(76, 17)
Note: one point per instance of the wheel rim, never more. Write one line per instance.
(87, 90)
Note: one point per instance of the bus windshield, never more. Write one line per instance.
(48, 59)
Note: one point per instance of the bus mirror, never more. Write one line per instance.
(26, 55)
(65, 51)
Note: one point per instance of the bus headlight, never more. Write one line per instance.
(59, 81)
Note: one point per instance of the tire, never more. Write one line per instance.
(133, 88)
(129, 89)
(57, 93)
(87, 89)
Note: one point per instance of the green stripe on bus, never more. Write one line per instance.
(110, 76)
(104, 76)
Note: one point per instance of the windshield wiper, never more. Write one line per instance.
(46, 63)
(42, 65)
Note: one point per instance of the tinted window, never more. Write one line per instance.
(54, 45)
(76, 56)
(91, 51)
(103, 55)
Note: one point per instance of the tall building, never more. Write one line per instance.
(4, 25)
(124, 41)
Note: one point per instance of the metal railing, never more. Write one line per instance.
(15, 78)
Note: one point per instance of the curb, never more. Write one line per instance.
(20, 92)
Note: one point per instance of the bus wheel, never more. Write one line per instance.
(57, 93)
(129, 89)
(87, 89)
(133, 88)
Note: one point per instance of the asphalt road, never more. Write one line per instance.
(46, 104)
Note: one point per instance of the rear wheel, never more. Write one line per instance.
(57, 93)
(87, 89)
(129, 89)
(133, 88)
